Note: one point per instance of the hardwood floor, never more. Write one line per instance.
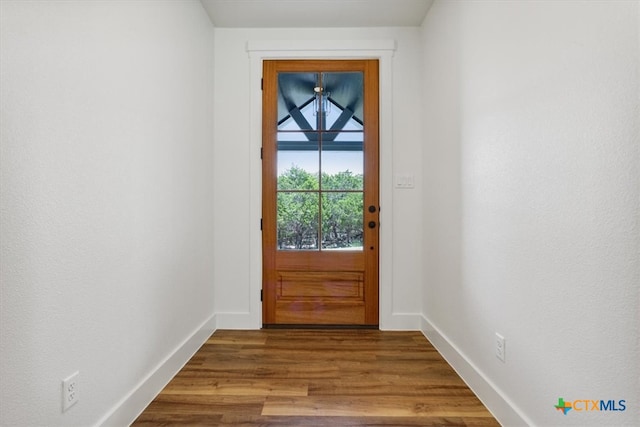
(316, 378)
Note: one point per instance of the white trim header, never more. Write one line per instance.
(320, 45)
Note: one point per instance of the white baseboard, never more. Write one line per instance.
(132, 405)
(248, 321)
(400, 322)
(497, 403)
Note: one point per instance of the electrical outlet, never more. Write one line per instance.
(500, 347)
(70, 391)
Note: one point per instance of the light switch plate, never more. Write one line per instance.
(405, 181)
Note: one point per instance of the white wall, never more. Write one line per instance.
(237, 303)
(106, 187)
(531, 189)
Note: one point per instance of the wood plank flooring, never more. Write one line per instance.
(316, 378)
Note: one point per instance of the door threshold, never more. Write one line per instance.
(322, 326)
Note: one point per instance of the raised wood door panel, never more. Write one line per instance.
(320, 223)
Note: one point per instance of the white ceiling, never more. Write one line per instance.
(316, 13)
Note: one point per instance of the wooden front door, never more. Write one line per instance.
(320, 194)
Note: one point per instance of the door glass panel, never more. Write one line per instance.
(343, 92)
(298, 224)
(296, 101)
(298, 161)
(342, 161)
(342, 214)
(320, 160)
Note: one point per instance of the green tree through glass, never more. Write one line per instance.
(342, 210)
(299, 210)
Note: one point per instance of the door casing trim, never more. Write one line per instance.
(383, 50)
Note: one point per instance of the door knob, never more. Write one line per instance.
(372, 209)
(372, 224)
